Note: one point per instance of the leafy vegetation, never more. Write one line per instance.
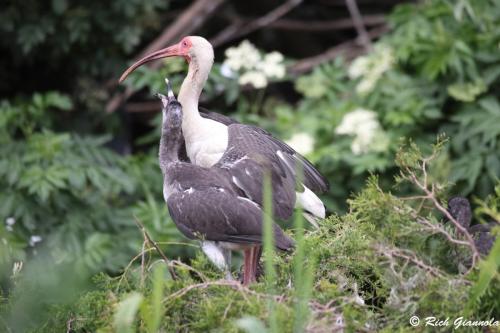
(88, 37)
(388, 259)
(70, 198)
(70, 192)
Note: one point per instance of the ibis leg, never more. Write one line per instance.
(257, 269)
(247, 266)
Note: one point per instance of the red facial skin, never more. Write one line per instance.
(180, 49)
(185, 46)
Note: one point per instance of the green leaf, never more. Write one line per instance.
(251, 325)
(58, 100)
(59, 6)
(154, 312)
(488, 270)
(125, 313)
(466, 92)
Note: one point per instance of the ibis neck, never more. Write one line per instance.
(170, 145)
(189, 96)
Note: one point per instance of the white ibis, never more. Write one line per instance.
(207, 140)
(205, 203)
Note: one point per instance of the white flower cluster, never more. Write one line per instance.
(367, 132)
(371, 67)
(35, 239)
(302, 142)
(252, 67)
(9, 222)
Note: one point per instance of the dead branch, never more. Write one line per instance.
(189, 268)
(432, 197)
(357, 19)
(409, 256)
(143, 259)
(190, 20)
(160, 252)
(237, 30)
(224, 283)
(430, 194)
(347, 23)
(172, 262)
(349, 49)
(438, 229)
(289, 24)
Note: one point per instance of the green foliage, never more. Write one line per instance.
(487, 274)
(70, 192)
(94, 36)
(50, 178)
(442, 79)
(376, 266)
(490, 207)
(126, 311)
(371, 269)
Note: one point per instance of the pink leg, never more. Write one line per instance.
(251, 256)
(254, 260)
(257, 252)
(247, 266)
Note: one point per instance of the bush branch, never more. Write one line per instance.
(430, 194)
(160, 252)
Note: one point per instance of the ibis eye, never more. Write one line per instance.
(184, 43)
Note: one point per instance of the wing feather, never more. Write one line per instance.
(219, 216)
(312, 178)
(248, 160)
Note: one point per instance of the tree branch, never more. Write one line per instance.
(190, 20)
(345, 23)
(237, 30)
(160, 252)
(410, 257)
(349, 49)
(364, 38)
(423, 185)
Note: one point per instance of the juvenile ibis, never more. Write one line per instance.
(460, 209)
(206, 203)
(208, 137)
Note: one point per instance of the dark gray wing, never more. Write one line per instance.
(247, 161)
(312, 178)
(186, 176)
(217, 117)
(216, 215)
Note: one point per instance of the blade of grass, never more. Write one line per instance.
(298, 270)
(268, 240)
(155, 300)
(303, 277)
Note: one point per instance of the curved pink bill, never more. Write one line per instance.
(170, 51)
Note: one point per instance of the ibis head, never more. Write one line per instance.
(191, 48)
